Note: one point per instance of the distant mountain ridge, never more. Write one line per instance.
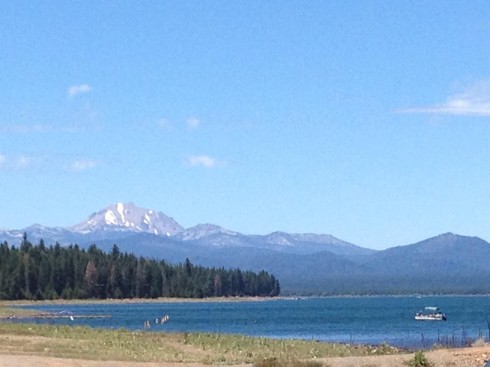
(304, 263)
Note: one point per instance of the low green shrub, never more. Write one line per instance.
(419, 360)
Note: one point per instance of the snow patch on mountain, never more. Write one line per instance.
(128, 217)
(204, 230)
(293, 239)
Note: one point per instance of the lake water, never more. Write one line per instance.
(371, 320)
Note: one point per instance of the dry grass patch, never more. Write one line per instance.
(243, 349)
(87, 343)
(122, 345)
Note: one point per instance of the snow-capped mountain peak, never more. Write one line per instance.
(128, 217)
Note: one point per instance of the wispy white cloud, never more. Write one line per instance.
(80, 165)
(164, 124)
(25, 128)
(202, 161)
(54, 128)
(78, 89)
(43, 163)
(22, 162)
(193, 122)
(17, 163)
(473, 100)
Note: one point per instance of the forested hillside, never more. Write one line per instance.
(37, 272)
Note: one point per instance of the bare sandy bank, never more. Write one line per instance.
(464, 357)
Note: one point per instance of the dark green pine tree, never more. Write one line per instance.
(41, 272)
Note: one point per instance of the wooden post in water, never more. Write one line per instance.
(488, 326)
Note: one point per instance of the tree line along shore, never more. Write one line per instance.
(40, 272)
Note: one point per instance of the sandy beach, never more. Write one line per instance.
(461, 357)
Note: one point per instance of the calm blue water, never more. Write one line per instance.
(371, 320)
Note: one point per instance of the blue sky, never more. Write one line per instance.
(366, 120)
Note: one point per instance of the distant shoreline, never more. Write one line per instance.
(7, 303)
